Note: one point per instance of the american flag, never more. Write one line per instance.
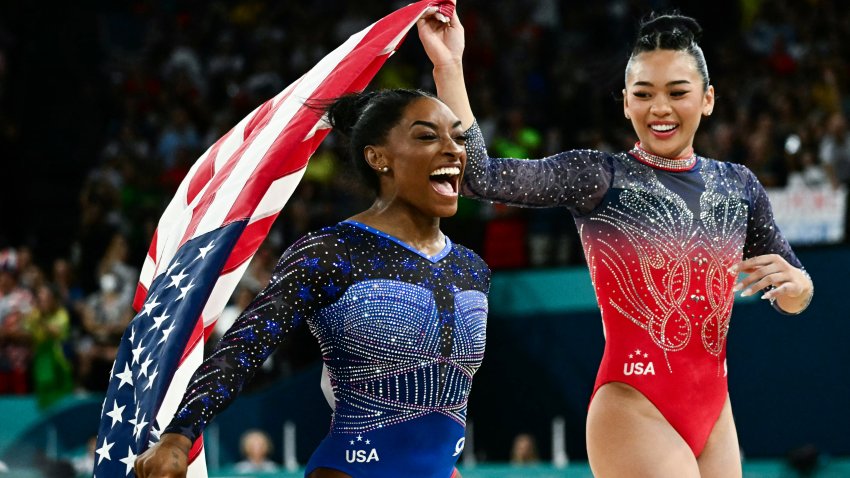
(207, 235)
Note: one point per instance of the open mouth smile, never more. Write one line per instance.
(445, 180)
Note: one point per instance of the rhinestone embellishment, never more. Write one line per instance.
(660, 162)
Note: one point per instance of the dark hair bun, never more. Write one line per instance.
(670, 31)
(344, 111)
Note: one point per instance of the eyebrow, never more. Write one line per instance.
(432, 125)
(670, 83)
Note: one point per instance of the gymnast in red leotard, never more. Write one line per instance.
(665, 233)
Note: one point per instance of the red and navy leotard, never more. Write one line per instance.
(401, 333)
(659, 236)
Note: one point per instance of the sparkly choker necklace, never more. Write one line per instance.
(681, 164)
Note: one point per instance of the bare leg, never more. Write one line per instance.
(721, 457)
(628, 436)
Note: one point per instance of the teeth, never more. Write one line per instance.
(451, 171)
(662, 127)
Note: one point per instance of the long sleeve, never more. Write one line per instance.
(763, 235)
(312, 273)
(577, 180)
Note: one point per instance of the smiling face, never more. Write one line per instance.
(665, 99)
(425, 155)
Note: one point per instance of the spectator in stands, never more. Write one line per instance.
(835, 156)
(256, 448)
(524, 450)
(105, 315)
(16, 303)
(49, 326)
(114, 261)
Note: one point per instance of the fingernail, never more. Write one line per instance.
(737, 287)
(746, 292)
(431, 9)
(441, 17)
(733, 270)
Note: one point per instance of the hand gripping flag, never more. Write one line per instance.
(207, 235)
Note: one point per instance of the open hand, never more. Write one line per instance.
(790, 285)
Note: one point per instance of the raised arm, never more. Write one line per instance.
(574, 179)
(443, 41)
(310, 275)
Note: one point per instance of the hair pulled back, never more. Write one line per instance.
(671, 31)
(366, 119)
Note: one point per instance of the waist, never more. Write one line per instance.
(425, 447)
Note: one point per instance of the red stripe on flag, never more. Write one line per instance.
(196, 449)
(194, 340)
(205, 171)
(139, 298)
(255, 125)
(335, 84)
(249, 241)
(260, 119)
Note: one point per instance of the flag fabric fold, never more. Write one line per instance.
(208, 233)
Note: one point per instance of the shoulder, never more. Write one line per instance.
(322, 242)
(326, 236)
(728, 169)
(469, 256)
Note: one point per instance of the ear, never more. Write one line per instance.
(625, 104)
(375, 157)
(708, 101)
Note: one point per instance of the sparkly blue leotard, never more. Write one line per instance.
(401, 335)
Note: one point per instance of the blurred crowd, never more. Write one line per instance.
(543, 75)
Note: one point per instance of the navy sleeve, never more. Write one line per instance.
(763, 235)
(313, 273)
(577, 180)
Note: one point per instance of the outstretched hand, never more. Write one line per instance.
(441, 37)
(167, 459)
(791, 287)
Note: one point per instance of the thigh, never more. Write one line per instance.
(721, 457)
(628, 436)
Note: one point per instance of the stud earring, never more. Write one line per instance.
(385, 169)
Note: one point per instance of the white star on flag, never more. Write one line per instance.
(151, 379)
(116, 412)
(158, 320)
(165, 334)
(143, 368)
(126, 376)
(137, 352)
(129, 461)
(103, 451)
(184, 290)
(204, 250)
(177, 279)
(149, 306)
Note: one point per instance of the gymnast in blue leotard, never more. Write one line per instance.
(398, 309)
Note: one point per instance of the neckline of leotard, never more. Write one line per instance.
(435, 258)
(684, 163)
